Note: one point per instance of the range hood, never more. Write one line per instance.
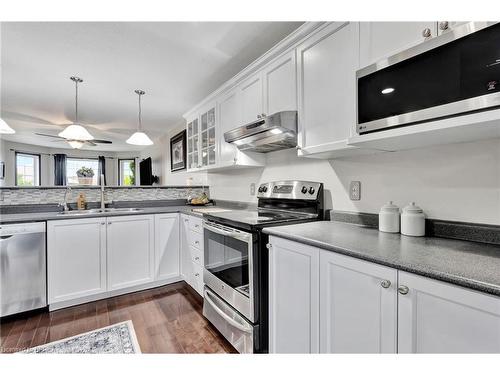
(269, 133)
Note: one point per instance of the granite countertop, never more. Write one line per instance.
(469, 264)
(44, 216)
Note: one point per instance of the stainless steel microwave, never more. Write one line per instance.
(451, 75)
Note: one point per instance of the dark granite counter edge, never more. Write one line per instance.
(434, 274)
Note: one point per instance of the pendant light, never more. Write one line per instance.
(139, 138)
(5, 128)
(75, 131)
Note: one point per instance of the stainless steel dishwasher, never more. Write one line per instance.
(23, 271)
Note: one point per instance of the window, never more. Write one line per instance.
(126, 172)
(87, 168)
(27, 169)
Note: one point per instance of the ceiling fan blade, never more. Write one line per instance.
(101, 141)
(50, 135)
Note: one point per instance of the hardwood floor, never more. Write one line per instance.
(166, 320)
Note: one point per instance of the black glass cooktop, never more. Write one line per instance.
(259, 217)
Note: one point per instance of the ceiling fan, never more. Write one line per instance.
(76, 143)
(75, 134)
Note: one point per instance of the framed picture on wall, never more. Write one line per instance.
(178, 152)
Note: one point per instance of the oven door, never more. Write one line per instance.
(228, 267)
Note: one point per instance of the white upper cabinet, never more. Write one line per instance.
(280, 84)
(167, 246)
(193, 143)
(358, 305)
(229, 118)
(378, 40)
(251, 101)
(76, 254)
(130, 252)
(436, 317)
(327, 62)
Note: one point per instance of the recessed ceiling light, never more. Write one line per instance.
(387, 90)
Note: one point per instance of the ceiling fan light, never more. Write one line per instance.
(139, 139)
(76, 144)
(5, 128)
(76, 132)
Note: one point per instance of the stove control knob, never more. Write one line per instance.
(311, 190)
(260, 189)
(304, 190)
(264, 189)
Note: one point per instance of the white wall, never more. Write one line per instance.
(47, 161)
(160, 155)
(452, 182)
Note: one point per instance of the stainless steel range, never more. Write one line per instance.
(236, 259)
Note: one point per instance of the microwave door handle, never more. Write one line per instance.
(227, 318)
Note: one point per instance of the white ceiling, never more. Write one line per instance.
(176, 63)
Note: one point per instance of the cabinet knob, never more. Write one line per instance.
(109, 223)
(403, 290)
(263, 115)
(197, 274)
(259, 117)
(269, 246)
(385, 284)
(103, 223)
(444, 25)
(426, 33)
(197, 258)
(197, 242)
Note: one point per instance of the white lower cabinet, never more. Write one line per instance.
(358, 305)
(321, 301)
(130, 251)
(293, 297)
(96, 258)
(437, 317)
(167, 243)
(76, 258)
(192, 251)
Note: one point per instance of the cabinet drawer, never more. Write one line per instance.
(197, 278)
(196, 239)
(196, 224)
(196, 256)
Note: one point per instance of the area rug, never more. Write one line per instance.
(118, 338)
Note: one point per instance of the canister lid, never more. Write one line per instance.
(412, 208)
(389, 207)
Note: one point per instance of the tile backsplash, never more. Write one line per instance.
(13, 196)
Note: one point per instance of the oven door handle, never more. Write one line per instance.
(209, 298)
(242, 236)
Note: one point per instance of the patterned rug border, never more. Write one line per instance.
(129, 323)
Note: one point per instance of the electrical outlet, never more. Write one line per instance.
(355, 190)
(252, 189)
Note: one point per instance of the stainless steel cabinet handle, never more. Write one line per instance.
(444, 25)
(403, 289)
(426, 33)
(385, 284)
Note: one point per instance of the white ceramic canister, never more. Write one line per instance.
(413, 221)
(388, 218)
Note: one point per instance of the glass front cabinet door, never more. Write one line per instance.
(201, 140)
